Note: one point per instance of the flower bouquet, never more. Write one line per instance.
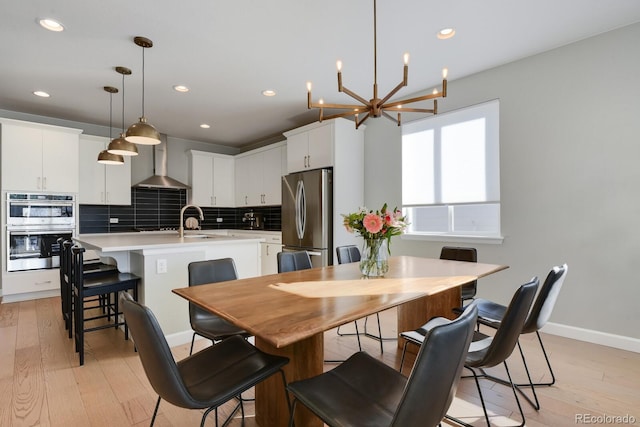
(376, 228)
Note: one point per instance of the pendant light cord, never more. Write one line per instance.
(110, 113)
(143, 81)
(123, 103)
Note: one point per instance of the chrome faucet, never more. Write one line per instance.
(181, 228)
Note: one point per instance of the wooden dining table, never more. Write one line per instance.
(288, 313)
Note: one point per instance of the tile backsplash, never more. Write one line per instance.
(160, 208)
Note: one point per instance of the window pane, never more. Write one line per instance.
(428, 219)
(476, 219)
(463, 162)
(417, 168)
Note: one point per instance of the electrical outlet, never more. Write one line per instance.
(218, 219)
(114, 220)
(161, 266)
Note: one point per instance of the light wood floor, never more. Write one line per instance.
(42, 384)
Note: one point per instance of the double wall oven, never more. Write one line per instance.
(35, 221)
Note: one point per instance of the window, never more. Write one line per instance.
(451, 173)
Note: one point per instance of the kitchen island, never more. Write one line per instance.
(161, 260)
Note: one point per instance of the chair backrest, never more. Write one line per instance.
(506, 336)
(433, 381)
(212, 271)
(209, 271)
(293, 261)
(155, 354)
(347, 254)
(546, 299)
(457, 253)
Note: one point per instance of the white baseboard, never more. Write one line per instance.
(30, 295)
(595, 337)
(179, 338)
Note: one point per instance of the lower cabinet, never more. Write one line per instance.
(24, 285)
(268, 249)
(269, 252)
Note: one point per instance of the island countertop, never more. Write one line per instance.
(115, 242)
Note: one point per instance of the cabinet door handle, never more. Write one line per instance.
(309, 160)
(267, 250)
(215, 200)
(246, 202)
(46, 282)
(305, 161)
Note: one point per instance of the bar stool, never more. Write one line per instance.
(66, 294)
(95, 285)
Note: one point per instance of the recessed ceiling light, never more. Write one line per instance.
(181, 88)
(41, 94)
(446, 33)
(205, 126)
(269, 92)
(51, 25)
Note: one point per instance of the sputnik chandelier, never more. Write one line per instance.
(377, 107)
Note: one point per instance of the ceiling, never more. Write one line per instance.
(228, 52)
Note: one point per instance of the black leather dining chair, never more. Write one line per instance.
(203, 323)
(363, 391)
(456, 253)
(293, 261)
(488, 351)
(491, 314)
(204, 380)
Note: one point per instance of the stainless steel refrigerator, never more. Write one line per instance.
(307, 214)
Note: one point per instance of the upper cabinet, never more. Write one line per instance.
(39, 157)
(337, 144)
(258, 176)
(310, 147)
(102, 184)
(211, 178)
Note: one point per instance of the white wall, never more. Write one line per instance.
(569, 154)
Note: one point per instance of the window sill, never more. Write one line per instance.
(454, 238)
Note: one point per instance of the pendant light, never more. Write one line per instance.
(120, 145)
(105, 157)
(142, 132)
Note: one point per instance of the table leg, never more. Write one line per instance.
(305, 361)
(413, 314)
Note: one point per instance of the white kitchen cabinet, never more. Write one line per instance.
(268, 249)
(25, 285)
(338, 144)
(102, 184)
(211, 177)
(38, 157)
(310, 147)
(258, 176)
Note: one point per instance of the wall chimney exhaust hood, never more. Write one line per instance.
(160, 178)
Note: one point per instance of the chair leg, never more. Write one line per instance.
(546, 358)
(293, 412)
(155, 412)
(193, 339)
(484, 407)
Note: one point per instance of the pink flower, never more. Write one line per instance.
(372, 223)
(388, 219)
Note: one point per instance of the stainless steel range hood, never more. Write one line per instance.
(160, 178)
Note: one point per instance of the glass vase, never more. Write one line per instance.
(374, 259)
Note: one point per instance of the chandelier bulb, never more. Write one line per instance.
(406, 58)
(339, 65)
(308, 86)
(321, 101)
(445, 73)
